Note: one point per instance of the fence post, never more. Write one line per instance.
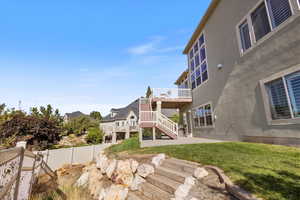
(72, 154)
(19, 174)
(93, 152)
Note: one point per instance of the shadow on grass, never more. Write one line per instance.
(282, 185)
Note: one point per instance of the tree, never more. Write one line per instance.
(80, 125)
(34, 130)
(175, 118)
(149, 92)
(47, 113)
(94, 136)
(96, 115)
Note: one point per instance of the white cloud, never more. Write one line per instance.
(142, 49)
(154, 46)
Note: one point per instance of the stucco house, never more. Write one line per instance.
(242, 82)
(244, 72)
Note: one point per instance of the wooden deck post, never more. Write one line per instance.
(141, 135)
(153, 133)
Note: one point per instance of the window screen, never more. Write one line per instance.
(278, 100)
(260, 22)
(280, 11)
(293, 84)
(245, 36)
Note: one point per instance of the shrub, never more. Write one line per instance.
(94, 136)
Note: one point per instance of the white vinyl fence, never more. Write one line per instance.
(18, 172)
(19, 169)
(56, 158)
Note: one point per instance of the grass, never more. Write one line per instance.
(268, 171)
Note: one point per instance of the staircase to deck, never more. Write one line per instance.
(155, 119)
(164, 182)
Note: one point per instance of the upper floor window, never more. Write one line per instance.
(260, 22)
(198, 63)
(245, 35)
(283, 97)
(265, 18)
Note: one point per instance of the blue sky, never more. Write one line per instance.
(92, 55)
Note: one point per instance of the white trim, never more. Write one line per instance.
(266, 101)
(212, 116)
(201, 62)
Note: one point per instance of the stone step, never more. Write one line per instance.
(136, 196)
(154, 193)
(180, 165)
(164, 183)
(172, 174)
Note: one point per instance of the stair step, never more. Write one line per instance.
(172, 174)
(154, 193)
(136, 196)
(166, 132)
(164, 183)
(180, 166)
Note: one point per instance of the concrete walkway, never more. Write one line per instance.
(151, 143)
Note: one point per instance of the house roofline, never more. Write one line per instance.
(213, 5)
(181, 77)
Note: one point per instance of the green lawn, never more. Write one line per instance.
(271, 172)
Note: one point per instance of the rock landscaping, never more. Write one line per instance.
(151, 177)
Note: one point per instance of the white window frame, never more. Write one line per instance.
(199, 66)
(266, 101)
(212, 116)
(247, 18)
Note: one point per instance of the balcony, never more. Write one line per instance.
(172, 97)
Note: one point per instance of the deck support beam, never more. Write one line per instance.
(153, 133)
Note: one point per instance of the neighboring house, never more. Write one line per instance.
(244, 72)
(73, 115)
(121, 123)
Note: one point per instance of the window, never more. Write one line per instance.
(203, 116)
(198, 64)
(280, 10)
(260, 22)
(245, 36)
(284, 96)
(196, 47)
(264, 19)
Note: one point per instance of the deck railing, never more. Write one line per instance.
(172, 93)
(160, 120)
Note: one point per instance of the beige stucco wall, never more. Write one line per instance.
(233, 90)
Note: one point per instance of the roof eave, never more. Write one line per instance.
(213, 5)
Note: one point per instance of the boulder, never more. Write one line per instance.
(116, 192)
(83, 180)
(95, 182)
(102, 163)
(182, 191)
(111, 168)
(191, 181)
(102, 194)
(124, 166)
(157, 160)
(200, 173)
(136, 183)
(134, 165)
(145, 170)
(123, 173)
(124, 179)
